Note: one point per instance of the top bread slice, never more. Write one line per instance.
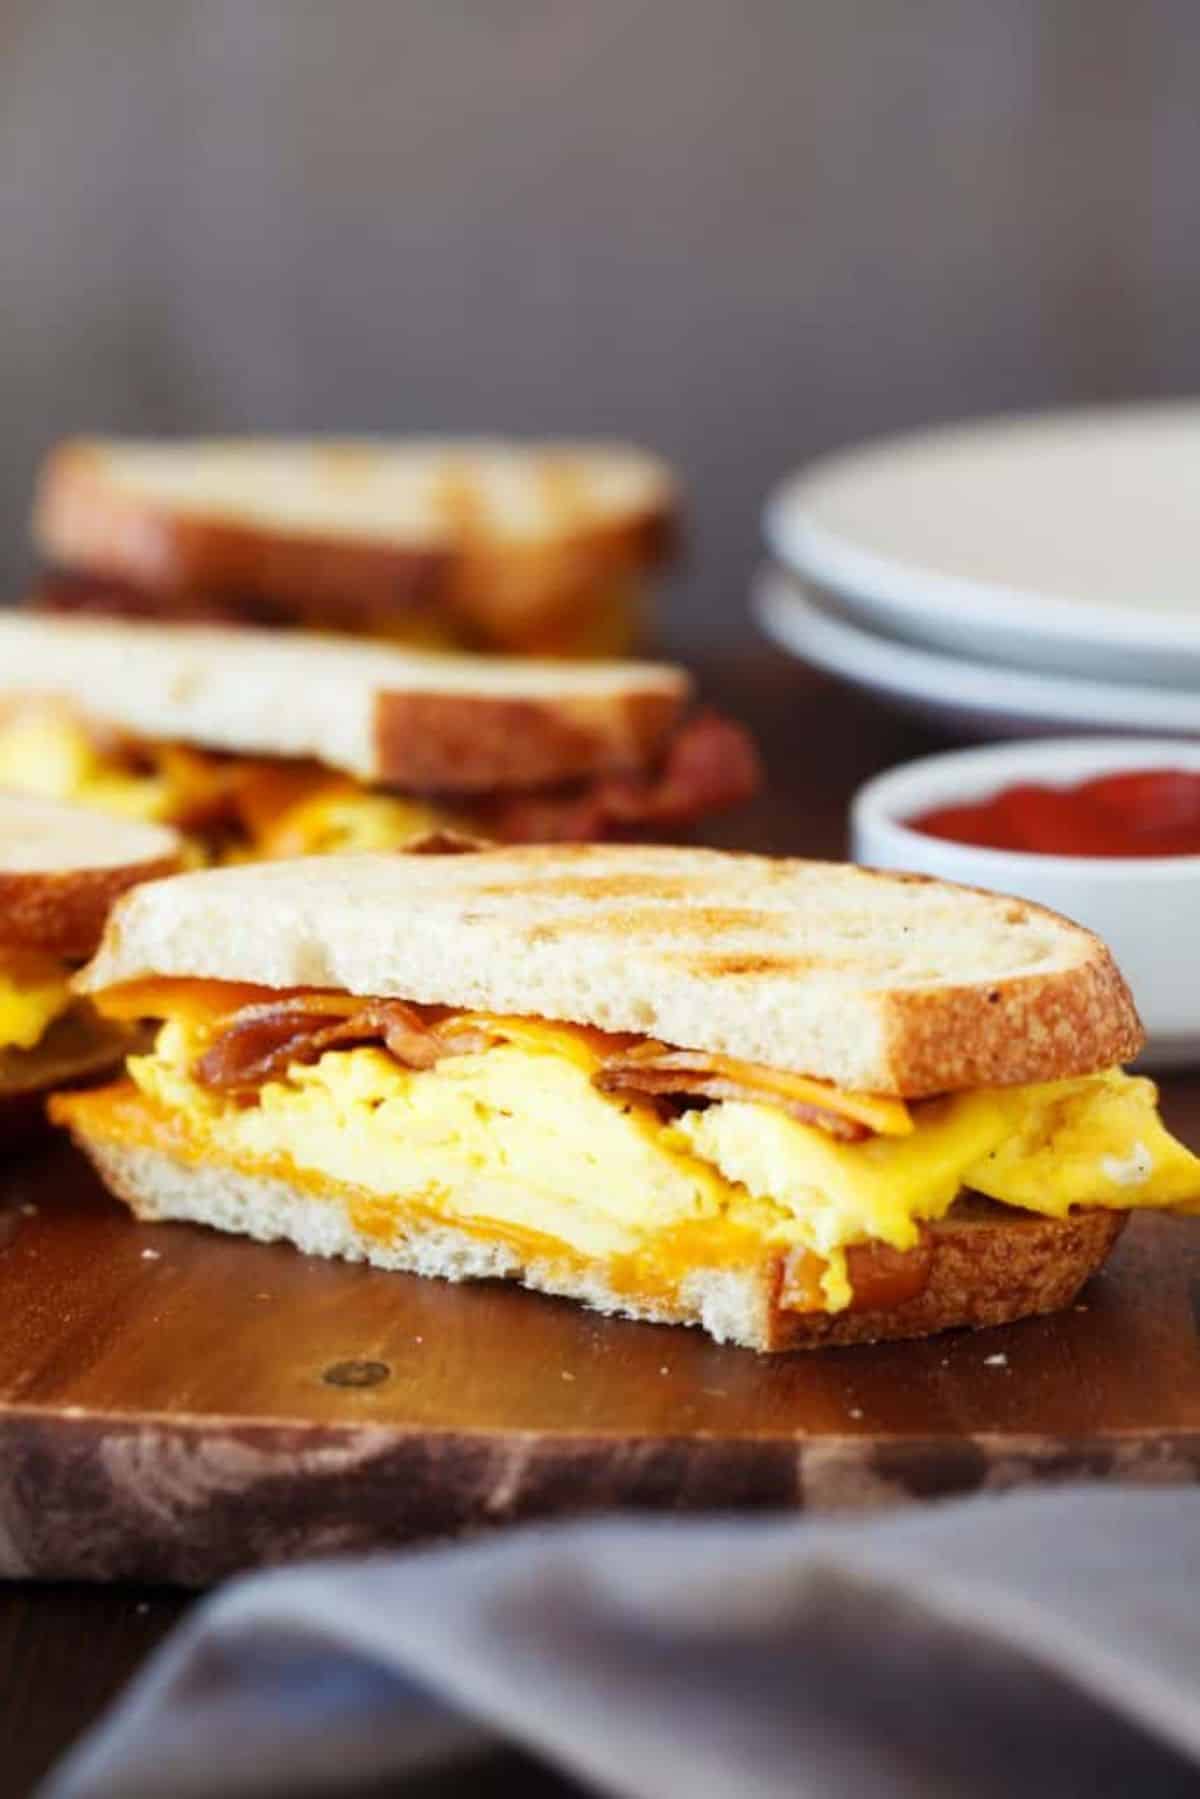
(62, 868)
(877, 982)
(505, 534)
(417, 719)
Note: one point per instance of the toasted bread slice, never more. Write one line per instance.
(62, 867)
(407, 718)
(877, 982)
(509, 537)
(990, 1265)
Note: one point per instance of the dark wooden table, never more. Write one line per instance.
(66, 1650)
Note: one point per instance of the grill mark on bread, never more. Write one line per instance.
(652, 921)
(737, 967)
(591, 887)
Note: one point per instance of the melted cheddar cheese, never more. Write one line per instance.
(34, 991)
(45, 751)
(516, 1141)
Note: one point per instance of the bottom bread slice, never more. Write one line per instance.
(990, 1264)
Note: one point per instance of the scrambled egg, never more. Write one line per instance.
(282, 809)
(509, 1134)
(1045, 1148)
(517, 1139)
(45, 752)
(34, 991)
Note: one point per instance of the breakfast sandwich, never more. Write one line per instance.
(260, 744)
(60, 871)
(793, 1103)
(536, 548)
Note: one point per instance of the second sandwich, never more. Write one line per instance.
(258, 745)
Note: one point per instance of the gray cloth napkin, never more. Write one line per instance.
(1021, 1644)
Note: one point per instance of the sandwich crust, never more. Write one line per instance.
(468, 744)
(989, 1265)
(944, 1041)
(62, 869)
(876, 982)
(599, 512)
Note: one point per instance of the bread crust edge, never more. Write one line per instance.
(1016, 1029)
(453, 743)
(65, 913)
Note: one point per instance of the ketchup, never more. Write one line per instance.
(1144, 812)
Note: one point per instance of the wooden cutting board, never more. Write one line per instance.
(175, 1405)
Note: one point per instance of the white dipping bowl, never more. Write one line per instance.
(1147, 909)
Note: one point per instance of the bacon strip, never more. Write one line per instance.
(711, 764)
(260, 1043)
(691, 1074)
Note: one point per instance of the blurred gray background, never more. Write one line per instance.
(742, 231)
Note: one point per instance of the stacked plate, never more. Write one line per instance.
(1013, 577)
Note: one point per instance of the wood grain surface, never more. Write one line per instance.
(218, 1404)
(176, 1404)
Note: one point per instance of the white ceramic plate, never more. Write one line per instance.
(972, 699)
(1066, 542)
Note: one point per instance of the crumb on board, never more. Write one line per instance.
(29, 1210)
(152, 1255)
(567, 1376)
(995, 1361)
(856, 1411)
